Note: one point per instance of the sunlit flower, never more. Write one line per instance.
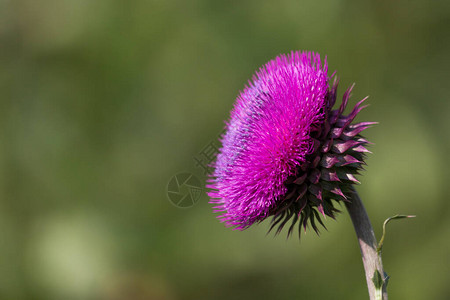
(285, 152)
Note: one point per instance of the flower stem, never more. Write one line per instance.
(375, 277)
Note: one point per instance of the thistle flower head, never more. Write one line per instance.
(285, 152)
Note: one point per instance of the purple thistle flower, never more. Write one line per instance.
(285, 152)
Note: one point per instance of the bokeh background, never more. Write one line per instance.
(102, 102)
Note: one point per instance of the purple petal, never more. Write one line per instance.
(357, 125)
(353, 132)
(345, 121)
(348, 159)
(327, 146)
(329, 175)
(301, 191)
(316, 190)
(314, 176)
(361, 149)
(301, 179)
(329, 160)
(341, 147)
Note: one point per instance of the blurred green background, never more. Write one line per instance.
(102, 102)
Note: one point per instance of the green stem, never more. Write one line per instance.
(375, 277)
(380, 244)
